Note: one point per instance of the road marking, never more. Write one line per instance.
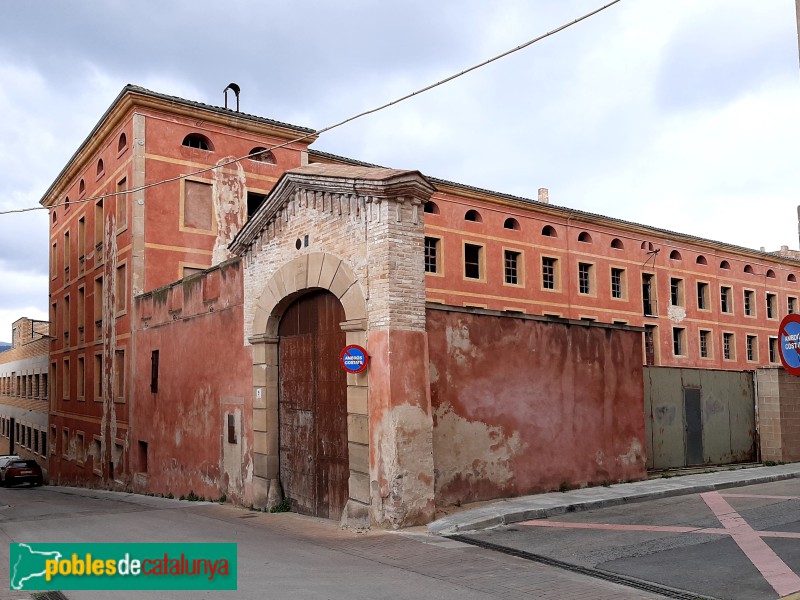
(758, 496)
(776, 572)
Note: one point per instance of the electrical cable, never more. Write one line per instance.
(319, 132)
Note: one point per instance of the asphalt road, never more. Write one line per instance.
(286, 556)
(738, 544)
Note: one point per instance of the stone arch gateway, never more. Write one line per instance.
(345, 230)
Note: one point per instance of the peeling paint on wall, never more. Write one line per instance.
(108, 422)
(403, 442)
(230, 206)
(472, 452)
(676, 314)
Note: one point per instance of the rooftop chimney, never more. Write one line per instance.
(544, 198)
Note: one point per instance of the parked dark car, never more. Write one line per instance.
(21, 471)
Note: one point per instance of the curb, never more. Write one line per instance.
(494, 516)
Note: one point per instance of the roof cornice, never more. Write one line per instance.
(132, 97)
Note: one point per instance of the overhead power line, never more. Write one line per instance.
(319, 132)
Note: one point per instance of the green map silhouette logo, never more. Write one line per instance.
(27, 565)
(123, 566)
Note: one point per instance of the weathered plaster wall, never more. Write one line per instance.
(204, 375)
(523, 405)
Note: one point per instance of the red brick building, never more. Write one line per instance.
(171, 310)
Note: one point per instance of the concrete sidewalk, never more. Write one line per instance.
(525, 508)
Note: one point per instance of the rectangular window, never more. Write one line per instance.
(81, 237)
(254, 200)
(676, 291)
(772, 306)
(472, 261)
(548, 273)
(677, 340)
(98, 377)
(119, 375)
(121, 289)
(431, 255)
(748, 303)
(67, 256)
(791, 305)
(64, 442)
(98, 301)
(97, 462)
(617, 283)
(65, 376)
(142, 456)
(752, 348)
(54, 260)
(704, 338)
(54, 390)
(122, 203)
(154, 371)
(231, 429)
(66, 320)
(702, 295)
(584, 278)
(773, 350)
(648, 297)
(43, 437)
(197, 205)
(99, 223)
(81, 379)
(43, 389)
(727, 346)
(725, 299)
(79, 451)
(511, 264)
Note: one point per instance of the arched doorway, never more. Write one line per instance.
(312, 406)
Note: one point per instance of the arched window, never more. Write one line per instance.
(549, 231)
(791, 278)
(123, 142)
(701, 260)
(584, 237)
(474, 216)
(511, 223)
(431, 208)
(648, 246)
(674, 255)
(616, 243)
(195, 140)
(82, 187)
(724, 265)
(55, 217)
(260, 154)
(770, 273)
(748, 269)
(100, 167)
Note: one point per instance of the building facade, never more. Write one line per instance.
(191, 292)
(24, 391)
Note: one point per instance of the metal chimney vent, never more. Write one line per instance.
(235, 89)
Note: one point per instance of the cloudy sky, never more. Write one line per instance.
(683, 114)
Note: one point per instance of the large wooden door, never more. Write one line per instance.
(312, 406)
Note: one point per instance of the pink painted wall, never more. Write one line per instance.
(205, 373)
(522, 405)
